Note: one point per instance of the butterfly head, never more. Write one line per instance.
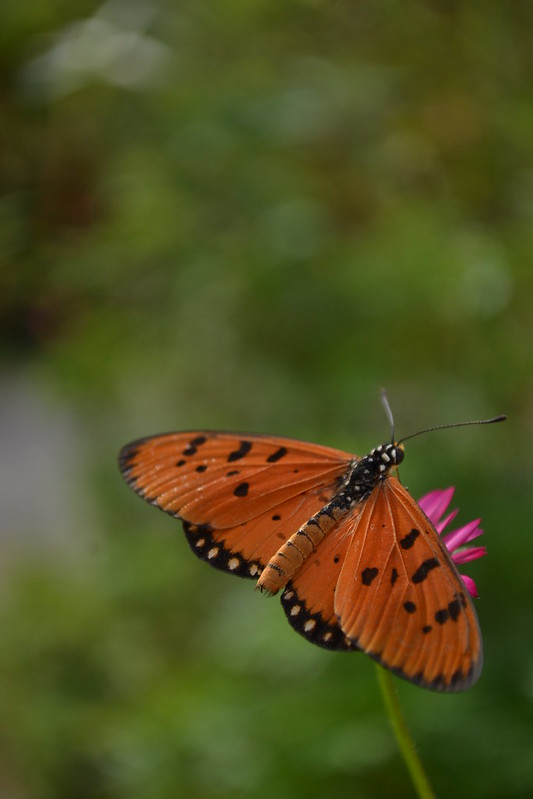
(388, 455)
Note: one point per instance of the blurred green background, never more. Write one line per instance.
(252, 215)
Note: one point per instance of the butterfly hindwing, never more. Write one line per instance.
(245, 549)
(308, 600)
(240, 496)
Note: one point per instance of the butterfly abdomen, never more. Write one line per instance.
(299, 546)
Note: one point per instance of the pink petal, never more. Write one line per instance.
(434, 503)
(466, 555)
(447, 519)
(470, 585)
(475, 534)
(462, 535)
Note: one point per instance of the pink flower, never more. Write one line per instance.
(435, 504)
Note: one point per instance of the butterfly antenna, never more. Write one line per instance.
(390, 417)
(500, 418)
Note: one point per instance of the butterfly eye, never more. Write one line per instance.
(397, 455)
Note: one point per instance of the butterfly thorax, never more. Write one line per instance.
(365, 474)
(361, 478)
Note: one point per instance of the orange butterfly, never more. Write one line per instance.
(360, 565)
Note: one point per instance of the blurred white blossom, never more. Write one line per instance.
(110, 46)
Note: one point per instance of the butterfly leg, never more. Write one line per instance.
(290, 556)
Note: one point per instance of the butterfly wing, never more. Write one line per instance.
(240, 496)
(382, 581)
(309, 599)
(400, 598)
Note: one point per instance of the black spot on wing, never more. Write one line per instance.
(241, 490)
(454, 609)
(368, 575)
(424, 569)
(410, 607)
(408, 540)
(393, 576)
(194, 443)
(442, 616)
(277, 455)
(237, 454)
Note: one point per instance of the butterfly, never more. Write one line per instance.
(358, 563)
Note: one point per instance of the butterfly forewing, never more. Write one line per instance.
(241, 496)
(400, 598)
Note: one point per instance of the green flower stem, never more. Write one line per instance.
(405, 742)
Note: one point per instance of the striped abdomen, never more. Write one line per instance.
(289, 557)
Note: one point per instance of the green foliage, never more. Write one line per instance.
(253, 215)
